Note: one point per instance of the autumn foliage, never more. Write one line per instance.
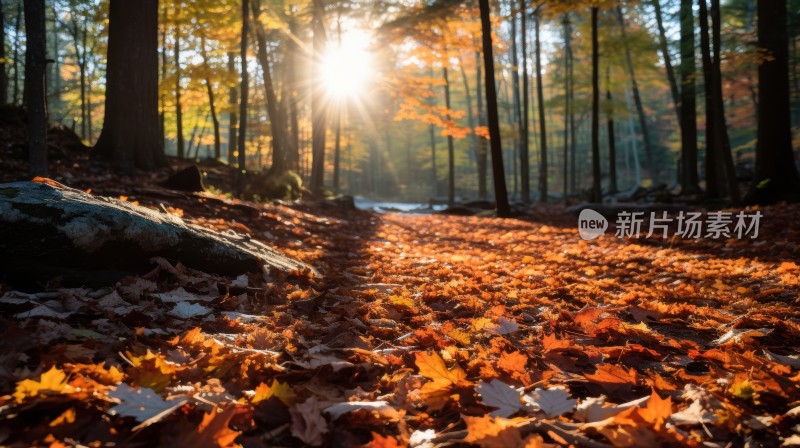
(425, 330)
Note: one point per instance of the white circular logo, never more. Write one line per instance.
(591, 224)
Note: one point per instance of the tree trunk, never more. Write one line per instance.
(501, 196)
(483, 152)
(319, 113)
(572, 140)
(637, 100)
(80, 58)
(432, 133)
(241, 146)
(515, 94)
(163, 110)
(17, 41)
(451, 155)
(523, 130)
(36, 111)
(721, 126)
(293, 157)
(567, 38)
(689, 175)
(597, 193)
(542, 124)
(178, 105)
(714, 183)
(233, 100)
(212, 106)
(130, 136)
(664, 46)
(3, 75)
(275, 115)
(337, 148)
(612, 147)
(776, 175)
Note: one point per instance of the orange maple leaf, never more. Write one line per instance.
(379, 441)
(498, 432)
(213, 431)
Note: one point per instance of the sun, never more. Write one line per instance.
(347, 68)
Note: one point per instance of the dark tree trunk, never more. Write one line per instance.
(178, 105)
(212, 105)
(3, 75)
(319, 112)
(276, 116)
(612, 147)
(517, 115)
(293, 157)
(542, 124)
(567, 38)
(714, 183)
(501, 196)
(483, 152)
(233, 100)
(776, 175)
(337, 148)
(451, 154)
(689, 175)
(721, 126)
(80, 58)
(17, 40)
(523, 130)
(637, 99)
(241, 146)
(597, 193)
(130, 136)
(664, 46)
(162, 111)
(35, 101)
(432, 133)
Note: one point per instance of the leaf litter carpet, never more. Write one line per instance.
(425, 331)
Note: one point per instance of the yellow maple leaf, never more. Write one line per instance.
(52, 382)
(742, 388)
(151, 370)
(432, 366)
(281, 391)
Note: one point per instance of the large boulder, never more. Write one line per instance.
(48, 230)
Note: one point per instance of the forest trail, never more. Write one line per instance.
(422, 325)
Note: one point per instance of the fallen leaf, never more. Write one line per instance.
(142, 403)
(52, 382)
(553, 402)
(281, 391)
(382, 408)
(186, 310)
(308, 424)
(497, 394)
(492, 432)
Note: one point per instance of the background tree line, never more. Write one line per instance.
(591, 97)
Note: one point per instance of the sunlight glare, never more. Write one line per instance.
(347, 69)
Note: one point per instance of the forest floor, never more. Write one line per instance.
(422, 331)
